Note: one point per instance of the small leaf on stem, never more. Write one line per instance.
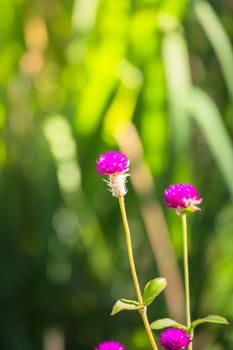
(125, 304)
(209, 319)
(165, 323)
(152, 289)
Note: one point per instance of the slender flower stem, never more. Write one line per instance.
(186, 273)
(143, 311)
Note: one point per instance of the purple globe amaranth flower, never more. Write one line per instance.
(174, 339)
(115, 165)
(112, 162)
(110, 345)
(182, 197)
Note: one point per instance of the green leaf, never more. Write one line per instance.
(209, 319)
(166, 322)
(125, 304)
(152, 289)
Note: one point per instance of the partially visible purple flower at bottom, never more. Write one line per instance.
(182, 197)
(174, 339)
(110, 345)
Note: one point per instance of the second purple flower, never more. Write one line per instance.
(182, 197)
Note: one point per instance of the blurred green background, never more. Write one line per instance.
(153, 78)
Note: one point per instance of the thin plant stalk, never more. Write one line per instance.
(143, 311)
(186, 274)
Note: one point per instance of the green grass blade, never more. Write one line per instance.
(218, 39)
(206, 114)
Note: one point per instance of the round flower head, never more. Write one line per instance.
(115, 165)
(110, 345)
(182, 197)
(174, 339)
(111, 163)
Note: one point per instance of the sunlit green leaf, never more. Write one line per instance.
(210, 319)
(165, 323)
(152, 289)
(125, 304)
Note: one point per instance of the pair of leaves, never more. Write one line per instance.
(152, 289)
(167, 322)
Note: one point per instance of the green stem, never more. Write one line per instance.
(186, 274)
(143, 311)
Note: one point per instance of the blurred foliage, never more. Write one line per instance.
(74, 75)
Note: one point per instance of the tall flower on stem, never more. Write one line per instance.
(115, 166)
(183, 198)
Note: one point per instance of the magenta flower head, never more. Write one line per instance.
(115, 165)
(112, 162)
(110, 345)
(174, 339)
(182, 197)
